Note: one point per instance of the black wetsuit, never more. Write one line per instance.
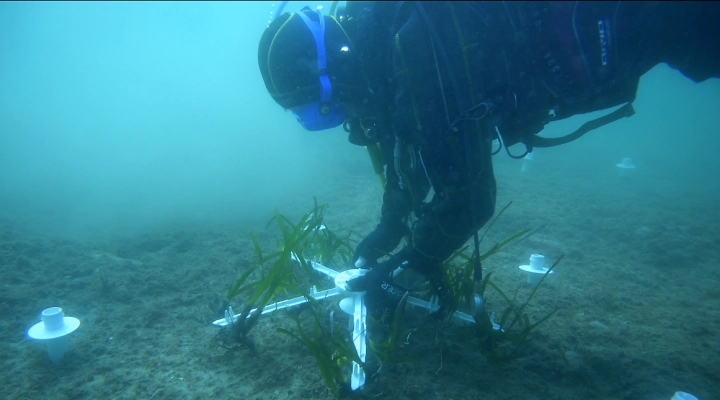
(449, 75)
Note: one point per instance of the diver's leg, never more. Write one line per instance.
(696, 51)
(684, 34)
(692, 33)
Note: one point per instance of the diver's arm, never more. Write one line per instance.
(393, 220)
(463, 202)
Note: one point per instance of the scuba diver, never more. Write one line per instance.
(428, 86)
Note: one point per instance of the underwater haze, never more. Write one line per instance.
(118, 116)
(124, 115)
(139, 148)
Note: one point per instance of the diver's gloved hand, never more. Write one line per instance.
(385, 291)
(445, 298)
(416, 269)
(378, 243)
(381, 291)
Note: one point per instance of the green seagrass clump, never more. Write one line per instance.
(515, 325)
(287, 272)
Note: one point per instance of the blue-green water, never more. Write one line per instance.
(139, 147)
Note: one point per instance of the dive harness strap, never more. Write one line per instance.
(539, 141)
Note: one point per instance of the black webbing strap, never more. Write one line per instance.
(538, 141)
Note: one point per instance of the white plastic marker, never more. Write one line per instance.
(536, 269)
(683, 396)
(528, 160)
(625, 167)
(53, 329)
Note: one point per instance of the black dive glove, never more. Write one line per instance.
(378, 243)
(445, 299)
(381, 291)
(385, 291)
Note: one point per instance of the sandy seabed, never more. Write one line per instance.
(637, 296)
